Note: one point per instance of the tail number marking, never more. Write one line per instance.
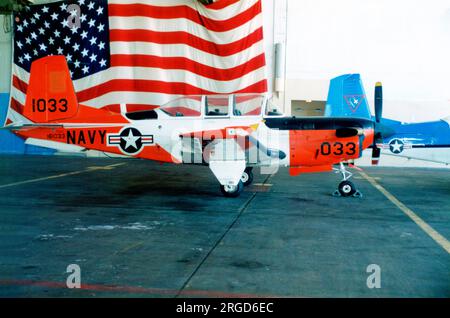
(338, 149)
(52, 105)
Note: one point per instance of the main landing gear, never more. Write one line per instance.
(235, 191)
(346, 188)
(247, 176)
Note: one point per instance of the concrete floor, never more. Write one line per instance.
(144, 229)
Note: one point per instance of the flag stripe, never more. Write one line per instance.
(185, 12)
(180, 50)
(88, 90)
(226, 12)
(174, 25)
(135, 85)
(188, 39)
(98, 90)
(170, 64)
(18, 95)
(171, 3)
(219, 5)
(19, 84)
(181, 63)
(16, 106)
(156, 99)
(21, 73)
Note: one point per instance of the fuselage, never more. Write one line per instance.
(305, 144)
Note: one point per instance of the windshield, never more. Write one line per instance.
(189, 106)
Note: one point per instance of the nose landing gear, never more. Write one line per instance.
(346, 188)
(234, 191)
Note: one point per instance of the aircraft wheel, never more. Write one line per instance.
(232, 191)
(247, 177)
(347, 188)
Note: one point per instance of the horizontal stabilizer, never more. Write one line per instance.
(62, 147)
(19, 126)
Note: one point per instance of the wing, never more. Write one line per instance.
(227, 151)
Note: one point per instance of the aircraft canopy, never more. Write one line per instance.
(216, 106)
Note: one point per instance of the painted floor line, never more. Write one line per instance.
(132, 290)
(90, 169)
(435, 235)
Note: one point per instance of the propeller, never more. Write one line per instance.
(378, 102)
(381, 131)
(378, 137)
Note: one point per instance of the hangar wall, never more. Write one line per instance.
(5, 55)
(404, 43)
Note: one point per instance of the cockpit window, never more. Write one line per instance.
(272, 110)
(217, 106)
(221, 106)
(190, 106)
(248, 105)
(142, 115)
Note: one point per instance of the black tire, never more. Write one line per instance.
(247, 177)
(234, 193)
(347, 188)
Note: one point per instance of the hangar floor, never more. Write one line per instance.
(138, 228)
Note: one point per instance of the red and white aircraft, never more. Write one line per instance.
(230, 134)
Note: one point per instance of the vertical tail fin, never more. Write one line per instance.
(50, 94)
(346, 97)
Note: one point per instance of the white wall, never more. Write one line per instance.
(403, 43)
(268, 29)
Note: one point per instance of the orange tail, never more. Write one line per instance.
(50, 96)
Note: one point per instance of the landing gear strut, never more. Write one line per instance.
(346, 188)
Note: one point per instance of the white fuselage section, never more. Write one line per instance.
(167, 132)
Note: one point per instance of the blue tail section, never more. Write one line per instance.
(347, 98)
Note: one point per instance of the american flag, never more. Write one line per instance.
(143, 53)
